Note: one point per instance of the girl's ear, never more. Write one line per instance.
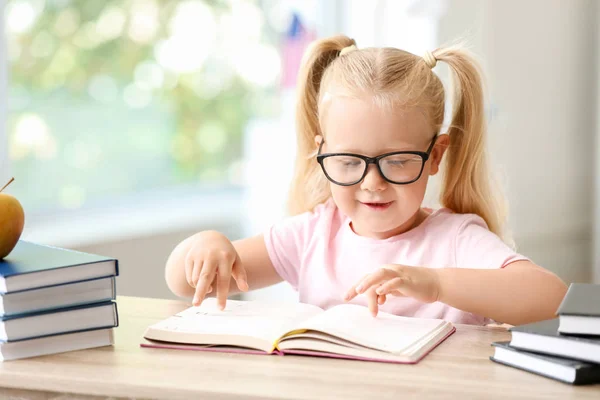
(441, 144)
(318, 140)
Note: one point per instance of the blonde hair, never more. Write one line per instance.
(396, 77)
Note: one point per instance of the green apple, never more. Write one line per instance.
(12, 220)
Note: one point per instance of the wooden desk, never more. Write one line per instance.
(458, 368)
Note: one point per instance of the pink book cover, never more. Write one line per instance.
(239, 350)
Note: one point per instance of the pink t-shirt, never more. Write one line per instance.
(319, 254)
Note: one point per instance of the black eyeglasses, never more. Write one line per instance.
(399, 167)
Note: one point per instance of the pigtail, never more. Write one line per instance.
(309, 186)
(467, 185)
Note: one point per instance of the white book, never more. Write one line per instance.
(55, 344)
(343, 331)
(543, 337)
(560, 368)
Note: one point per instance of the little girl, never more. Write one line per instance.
(368, 124)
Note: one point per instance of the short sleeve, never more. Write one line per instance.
(287, 240)
(478, 247)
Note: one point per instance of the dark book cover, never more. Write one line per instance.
(585, 373)
(581, 299)
(29, 257)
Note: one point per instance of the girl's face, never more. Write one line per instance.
(376, 207)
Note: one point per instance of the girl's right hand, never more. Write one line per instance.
(210, 263)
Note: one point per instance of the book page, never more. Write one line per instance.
(266, 321)
(386, 332)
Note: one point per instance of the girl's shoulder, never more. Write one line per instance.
(468, 238)
(450, 221)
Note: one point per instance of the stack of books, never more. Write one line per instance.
(566, 348)
(54, 300)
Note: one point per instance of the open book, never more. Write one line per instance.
(343, 331)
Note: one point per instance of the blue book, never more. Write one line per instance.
(32, 265)
(60, 296)
(55, 322)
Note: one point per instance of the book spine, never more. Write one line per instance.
(585, 376)
(290, 333)
(116, 314)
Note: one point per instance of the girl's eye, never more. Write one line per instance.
(397, 163)
(401, 162)
(349, 162)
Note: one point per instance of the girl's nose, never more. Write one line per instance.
(373, 181)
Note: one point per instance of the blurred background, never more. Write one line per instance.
(132, 124)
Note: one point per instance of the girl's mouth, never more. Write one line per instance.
(377, 206)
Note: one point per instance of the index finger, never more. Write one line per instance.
(207, 275)
(223, 281)
(372, 301)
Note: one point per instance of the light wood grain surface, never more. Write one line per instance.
(458, 368)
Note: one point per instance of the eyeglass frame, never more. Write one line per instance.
(375, 160)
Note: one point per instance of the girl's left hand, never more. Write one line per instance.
(423, 284)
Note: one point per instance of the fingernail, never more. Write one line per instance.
(359, 289)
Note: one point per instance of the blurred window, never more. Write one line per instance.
(108, 99)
